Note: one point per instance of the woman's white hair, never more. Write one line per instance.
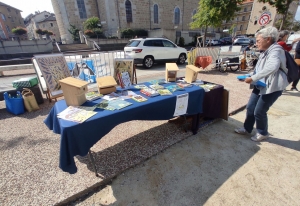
(268, 32)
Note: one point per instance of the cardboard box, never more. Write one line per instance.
(191, 73)
(171, 72)
(106, 84)
(74, 91)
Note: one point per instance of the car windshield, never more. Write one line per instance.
(133, 43)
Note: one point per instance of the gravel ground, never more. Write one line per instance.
(29, 151)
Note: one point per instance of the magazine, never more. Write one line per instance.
(158, 81)
(156, 86)
(119, 104)
(173, 88)
(125, 94)
(181, 84)
(149, 92)
(139, 98)
(75, 114)
(105, 105)
(164, 92)
(90, 96)
(140, 86)
(126, 83)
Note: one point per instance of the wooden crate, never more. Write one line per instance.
(171, 72)
(191, 73)
(106, 84)
(74, 91)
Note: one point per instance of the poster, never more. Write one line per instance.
(123, 65)
(181, 104)
(53, 68)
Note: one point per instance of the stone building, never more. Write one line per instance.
(172, 15)
(10, 18)
(41, 20)
(116, 15)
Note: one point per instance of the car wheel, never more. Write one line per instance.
(148, 62)
(181, 59)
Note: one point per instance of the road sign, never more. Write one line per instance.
(264, 19)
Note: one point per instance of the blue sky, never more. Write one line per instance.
(30, 6)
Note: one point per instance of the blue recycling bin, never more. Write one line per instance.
(14, 104)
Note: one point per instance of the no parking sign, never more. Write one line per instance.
(264, 19)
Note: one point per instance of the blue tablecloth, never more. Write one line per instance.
(77, 139)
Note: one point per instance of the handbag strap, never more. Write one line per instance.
(26, 92)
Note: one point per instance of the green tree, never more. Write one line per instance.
(74, 32)
(19, 30)
(282, 7)
(296, 26)
(288, 22)
(212, 13)
(91, 23)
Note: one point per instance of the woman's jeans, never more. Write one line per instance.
(257, 108)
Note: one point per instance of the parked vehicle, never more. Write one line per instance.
(148, 51)
(242, 41)
(226, 40)
(290, 40)
(212, 42)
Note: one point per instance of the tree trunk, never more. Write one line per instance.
(204, 37)
(285, 15)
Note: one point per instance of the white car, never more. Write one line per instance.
(212, 42)
(148, 51)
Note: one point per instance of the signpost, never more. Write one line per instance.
(264, 19)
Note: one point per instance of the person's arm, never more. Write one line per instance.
(272, 64)
(285, 46)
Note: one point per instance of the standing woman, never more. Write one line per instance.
(267, 70)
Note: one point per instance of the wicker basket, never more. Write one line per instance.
(29, 100)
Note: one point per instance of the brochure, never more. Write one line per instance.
(139, 98)
(164, 92)
(90, 96)
(173, 88)
(156, 86)
(75, 114)
(149, 92)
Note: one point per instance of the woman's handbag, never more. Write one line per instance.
(29, 100)
(297, 61)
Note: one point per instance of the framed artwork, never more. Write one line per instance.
(123, 65)
(53, 67)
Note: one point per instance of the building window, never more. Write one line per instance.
(194, 13)
(177, 16)
(128, 11)
(81, 9)
(155, 11)
(3, 17)
(245, 9)
(241, 27)
(8, 9)
(237, 18)
(7, 29)
(243, 18)
(16, 12)
(51, 24)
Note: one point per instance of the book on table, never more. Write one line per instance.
(139, 98)
(76, 114)
(156, 86)
(90, 96)
(173, 88)
(164, 92)
(149, 92)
